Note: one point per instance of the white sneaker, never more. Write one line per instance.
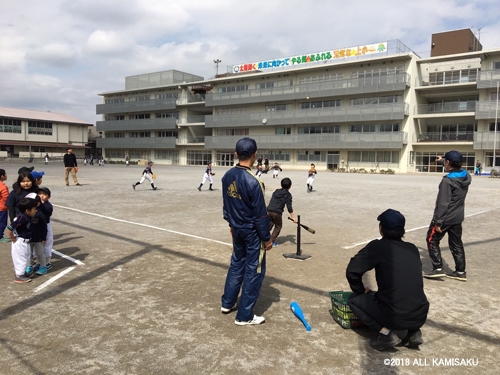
(256, 320)
(228, 310)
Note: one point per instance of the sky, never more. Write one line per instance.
(58, 55)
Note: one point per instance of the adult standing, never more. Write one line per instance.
(70, 166)
(478, 169)
(244, 208)
(400, 302)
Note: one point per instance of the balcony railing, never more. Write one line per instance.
(372, 112)
(196, 119)
(488, 79)
(486, 110)
(132, 142)
(341, 87)
(137, 106)
(486, 140)
(446, 137)
(426, 109)
(191, 140)
(386, 140)
(141, 124)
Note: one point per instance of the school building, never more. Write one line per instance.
(376, 106)
(32, 134)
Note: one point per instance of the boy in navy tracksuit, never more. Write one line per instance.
(448, 218)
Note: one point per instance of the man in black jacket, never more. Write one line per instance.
(448, 217)
(70, 165)
(400, 302)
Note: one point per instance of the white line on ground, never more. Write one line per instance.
(143, 225)
(68, 258)
(51, 280)
(413, 229)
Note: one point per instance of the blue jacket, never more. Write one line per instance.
(244, 204)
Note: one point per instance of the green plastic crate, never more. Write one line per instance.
(341, 312)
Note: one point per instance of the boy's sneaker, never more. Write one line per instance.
(256, 320)
(226, 310)
(435, 274)
(155, 188)
(22, 279)
(41, 271)
(48, 266)
(384, 342)
(36, 267)
(133, 186)
(275, 244)
(199, 188)
(457, 276)
(29, 271)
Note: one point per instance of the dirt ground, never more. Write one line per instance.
(138, 277)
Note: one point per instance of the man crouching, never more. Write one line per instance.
(400, 303)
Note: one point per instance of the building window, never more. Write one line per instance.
(225, 159)
(139, 154)
(198, 157)
(426, 161)
(114, 118)
(321, 78)
(230, 132)
(277, 107)
(114, 100)
(140, 134)
(39, 127)
(321, 104)
(275, 155)
(377, 100)
(319, 129)
(232, 88)
(374, 156)
(492, 126)
(282, 131)
(172, 155)
(167, 95)
(168, 115)
(115, 153)
(496, 65)
(376, 72)
(163, 134)
(364, 128)
(388, 127)
(115, 135)
(139, 98)
(139, 116)
(10, 125)
(311, 156)
(266, 85)
(232, 111)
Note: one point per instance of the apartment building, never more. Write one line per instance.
(26, 133)
(378, 106)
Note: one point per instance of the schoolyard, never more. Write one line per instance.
(138, 275)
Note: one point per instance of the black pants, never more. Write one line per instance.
(371, 311)
(454, 242)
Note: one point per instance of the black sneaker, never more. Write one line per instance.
(199, 188)
(457, 276)
(155, 188)
(435, 274)
(22, 279)
(49, 266)
(415, 339)
(133, 186)
(384, 342)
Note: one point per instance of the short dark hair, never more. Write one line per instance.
(2, 172)
(456, 164)
(286, 183)
(26, 204)
(393, 234)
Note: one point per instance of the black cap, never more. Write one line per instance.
(246, 147)
(45, 189)
(25, 170)
(454, 157)
(391, 219)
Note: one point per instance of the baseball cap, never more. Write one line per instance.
(25, 170)
(36, 175)
(391, 219)
(246, 147)
(454, 157)
(150, 162)
(45, 189)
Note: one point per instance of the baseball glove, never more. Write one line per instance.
(154, 176)
(213, 174)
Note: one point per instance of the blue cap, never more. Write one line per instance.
(454, 156)
(391, 219)
(246, 147)
(36, 175)
(150, 162)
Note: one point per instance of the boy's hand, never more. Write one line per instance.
(268, 245)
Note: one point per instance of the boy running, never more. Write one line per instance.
(207, 176)
(147, 174)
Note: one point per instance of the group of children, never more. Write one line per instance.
(30, 231)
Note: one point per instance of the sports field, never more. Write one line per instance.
(138, 275)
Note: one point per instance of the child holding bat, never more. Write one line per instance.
(280, 198)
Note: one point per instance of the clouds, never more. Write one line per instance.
(59, 55)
